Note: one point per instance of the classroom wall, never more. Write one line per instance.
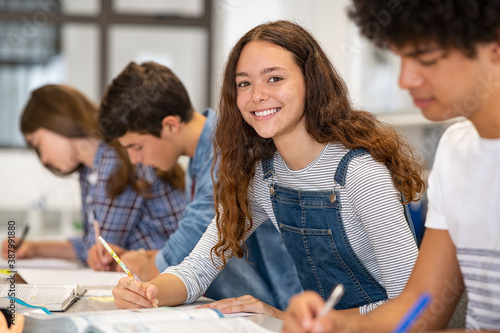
(31, 192)
(325, 19)
(24, 182)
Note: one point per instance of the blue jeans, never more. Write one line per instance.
(269, 274)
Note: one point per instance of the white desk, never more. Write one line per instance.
(89, 305)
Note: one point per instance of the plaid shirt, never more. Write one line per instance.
(129, 221)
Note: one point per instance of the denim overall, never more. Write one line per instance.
(313, 232)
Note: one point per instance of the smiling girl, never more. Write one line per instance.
(293, 150)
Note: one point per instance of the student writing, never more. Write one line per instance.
(134, 207)
(291, 149)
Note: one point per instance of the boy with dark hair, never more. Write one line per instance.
(148, 110)
(450, 64)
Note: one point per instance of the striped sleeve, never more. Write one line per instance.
(197, 271)
(375, 202)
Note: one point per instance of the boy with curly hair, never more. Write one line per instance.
(450, 64)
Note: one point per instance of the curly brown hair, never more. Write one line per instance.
(459, 24)
(329, 117)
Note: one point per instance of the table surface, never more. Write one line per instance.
(85, 304)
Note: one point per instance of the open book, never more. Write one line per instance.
(164, 319)
(53, 297)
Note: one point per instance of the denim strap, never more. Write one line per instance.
(268, 168)
(341, 172)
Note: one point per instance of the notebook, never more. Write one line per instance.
(53, 297)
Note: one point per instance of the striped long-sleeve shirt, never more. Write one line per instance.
(372, 213)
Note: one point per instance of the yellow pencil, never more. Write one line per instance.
(118, 260)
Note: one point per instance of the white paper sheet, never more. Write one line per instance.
(42, 263)
(83, 277)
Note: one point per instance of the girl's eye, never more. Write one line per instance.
(275, 79)
(242, 84)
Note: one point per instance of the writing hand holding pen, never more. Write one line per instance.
(132, 284)
(106, 263)
(14, 244)
(23, 236)
(97, 257)
(130, 294)
(308, 312)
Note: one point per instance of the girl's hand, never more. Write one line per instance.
(244, 303)
(130, 294)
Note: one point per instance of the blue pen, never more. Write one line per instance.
(415, 311)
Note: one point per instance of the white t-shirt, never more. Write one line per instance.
(464, 198)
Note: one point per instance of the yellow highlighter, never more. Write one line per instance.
(118, 260)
